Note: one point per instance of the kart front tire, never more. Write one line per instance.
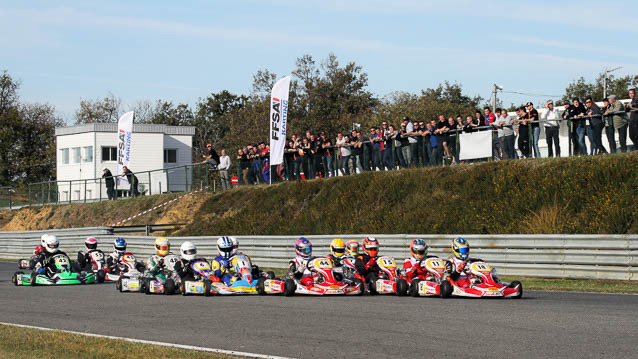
(99, 276)
(260, 286)
(34, 278)
(169, 287)
(414, 287)
(362, 285)
(182, 289)
(289, 287)
(207, 286)
(520, 291)
(14, 278)
(146, 286)
(445, 289)
(118, 285)
(372, 285)
(402, 287)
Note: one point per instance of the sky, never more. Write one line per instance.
(66, 51)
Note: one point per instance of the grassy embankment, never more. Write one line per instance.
(16, 342)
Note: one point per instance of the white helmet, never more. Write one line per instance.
(225, 247)
(43, 239)
(188, 251)
(51, 243)
(235, 244)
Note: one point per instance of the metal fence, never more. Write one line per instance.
(549, 256)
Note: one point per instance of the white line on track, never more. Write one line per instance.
(180, 346)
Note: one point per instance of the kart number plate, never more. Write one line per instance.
(387, 262)
(195, 288)
(323, 263)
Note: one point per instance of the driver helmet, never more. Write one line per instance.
(352, 247)
(235, 244)
(188, 250)
(371, 246)
(225, 247)
(461, 248)
(162, 246)
(90, 243)
(303, 247)
(119, 245)
(418, 248)
(43, 240)
(51, 243)
(337, 247)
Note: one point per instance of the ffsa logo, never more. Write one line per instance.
(120, 151)
(276, 118)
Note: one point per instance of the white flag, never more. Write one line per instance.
(124, 134)
(278, 118)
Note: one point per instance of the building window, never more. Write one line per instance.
(170, 156)
(88, 154)
(65, 155)
(76, 154)
(109, 154)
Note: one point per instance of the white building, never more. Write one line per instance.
(84, 151)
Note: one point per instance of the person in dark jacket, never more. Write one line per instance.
(110, 183)
(132, 180)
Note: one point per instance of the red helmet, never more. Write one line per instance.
(90, 243)
(371, 246)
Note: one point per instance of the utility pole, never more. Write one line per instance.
(494, 91)
(605, 79)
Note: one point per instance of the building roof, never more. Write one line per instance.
(137, 128)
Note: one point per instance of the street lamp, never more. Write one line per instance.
(605, 79)
(494, 91)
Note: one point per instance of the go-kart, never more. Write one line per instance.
(243, 282)
(387, 281)
(98, 265)
(201, 285)
(165, 281)
(482, 281)
(324, 282)
(61, 275)
(130, 278)
(433, 283)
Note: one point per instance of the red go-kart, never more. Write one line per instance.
(387, 281)
(481, 281)
(432, 282)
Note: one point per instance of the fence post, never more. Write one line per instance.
(84, 191)
(100, 185)
(569, 136)
(149, 183)
(168, 183)
(70, 192)
(29, 195)
(42, 193)
(186, 178)
(117, 180)
(9, 197)
(458, 145)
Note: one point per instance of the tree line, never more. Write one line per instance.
(324, 96)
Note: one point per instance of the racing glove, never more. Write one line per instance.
(460, 267)
(371, 264)
(40, 270)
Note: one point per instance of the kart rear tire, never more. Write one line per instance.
(34, 277)
(99, 276)
(207, 285)
(361, 285)
(289, 287)
(14, 278)
(118, 285)
(169, 287)
(414, 287)
(372, 285)
(520, 292)
(146, 286)
(260, 286)
(446, 289)
(402, 287)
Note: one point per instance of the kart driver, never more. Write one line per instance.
(40, 248)
(336, 256)
(220, 265)
(188, 254)
(114, 258)
(412, 265)
(366, 263)
(456, 266)
(155, 263)
(42, 261)
(299, 265)
(84, 256)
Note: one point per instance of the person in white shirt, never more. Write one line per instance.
(224, 166)
(551, 128)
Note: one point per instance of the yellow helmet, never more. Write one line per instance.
(162, 246)
(337, 247)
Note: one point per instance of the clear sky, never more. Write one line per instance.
(65, 51)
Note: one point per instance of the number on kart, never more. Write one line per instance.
(388, 262)
(323, 264)
(435, 264)
(61, 260)
(98, 256)
(481, 267)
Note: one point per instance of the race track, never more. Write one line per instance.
(542, 324)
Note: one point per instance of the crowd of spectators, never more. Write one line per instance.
(434, 142)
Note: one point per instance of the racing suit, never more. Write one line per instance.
(299, 270)
(457, 270)
(84, 257)
(36, 252)
(155, 264)
(114, 259)
(338, 266)
(412, 268)
(221, 270)
(184, 270)
(42, 263)
(366, 266)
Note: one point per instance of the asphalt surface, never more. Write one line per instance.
(542, 324)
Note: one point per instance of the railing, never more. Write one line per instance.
(550, 256)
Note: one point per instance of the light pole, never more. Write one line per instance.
(494, 91)
(605, 79)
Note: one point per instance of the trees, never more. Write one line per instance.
(620, 86)
(107, 110)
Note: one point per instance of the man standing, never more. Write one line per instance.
(633, 118)
(619, 119)
(224, 166)
(412, 141)
(596, 123)
(508, 135)
(110, 183)
(344, 153)
(375, 141)
(552, 125)
(609, 127)
(388, 158)
(244, 165)
(132, 180)
(532, 114)
(211, 158)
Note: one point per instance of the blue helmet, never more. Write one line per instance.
(461, 248)
(225, 246)
(119, 245)
(303, 247)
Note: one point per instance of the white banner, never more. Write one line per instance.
(278, 118)
(124, 134)
(475, 145)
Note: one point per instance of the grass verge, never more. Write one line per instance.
(16, 342)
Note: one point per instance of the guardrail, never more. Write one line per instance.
(549, 256)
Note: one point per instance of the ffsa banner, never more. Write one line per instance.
(278, 118)
(124, 134)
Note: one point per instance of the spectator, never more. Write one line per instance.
(110, 183)
(569, 113)
(578, 114)
(497, 136)
(470, 124)
(376, 141)
(508, 135)
(533, 122)
(596, 120)
(387, 146)
(609, 127)
(481, 120)
(306, 149)
(441, 127)
(396, 136)
(297, 165)
(429, 142)
(450, 139)
(633, 118)
(421, 144)
(412, 141)
(223, 167)
(327, 160)
(357, 150)
(619, 119)
(406, 148)
(289, 159)
(344, 153)
(244, 165)
(498, 124)
(523, 132)
(551, 124)
(132, 180)
(489, 116)
(211, 158)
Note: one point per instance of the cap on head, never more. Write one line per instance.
(612, 97)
